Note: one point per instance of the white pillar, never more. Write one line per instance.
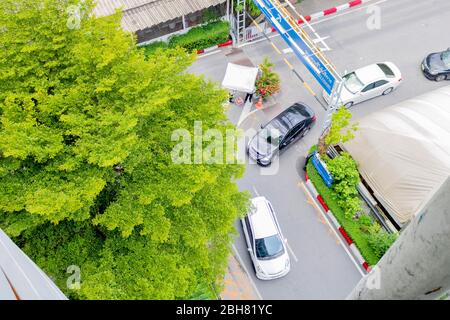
(417, 266)
(184, 22)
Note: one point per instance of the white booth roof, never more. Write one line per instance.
(240, 78)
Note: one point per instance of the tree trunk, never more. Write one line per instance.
(322, 146)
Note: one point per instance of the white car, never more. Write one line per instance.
(375, 80)
(265, 242)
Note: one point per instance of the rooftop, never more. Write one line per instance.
(142, 14)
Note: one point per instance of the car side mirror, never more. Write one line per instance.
(285, 240)
(249, 249)
(261, 126)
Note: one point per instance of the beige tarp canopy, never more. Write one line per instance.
(403, 152)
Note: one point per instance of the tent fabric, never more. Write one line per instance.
(403, 152)
(22, 277)
(240, 78)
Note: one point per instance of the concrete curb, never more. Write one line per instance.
(220, 45)
(329, 11)
(363, 263)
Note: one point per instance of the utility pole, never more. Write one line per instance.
(417, 266)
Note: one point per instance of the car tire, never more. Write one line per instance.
(348, 105)
(387, 91)
(439, 78)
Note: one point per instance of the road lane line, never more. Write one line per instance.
(291, 251)
(343, 245)
(241, 262)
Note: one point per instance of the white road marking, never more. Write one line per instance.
(343, 245)
(288, 50)
(208, 54)
(241, 262)
(255, 191)
(245, 112)
(291, 251)
(352, 10)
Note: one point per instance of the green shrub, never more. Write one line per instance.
(269, 82)
(345, 179)
(381, 241)
(353, 227)
(365, 222)
(202, 37)
(312, 149)
(152, 47)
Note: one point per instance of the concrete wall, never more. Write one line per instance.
(417, 266)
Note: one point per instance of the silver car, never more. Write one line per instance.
(368, 82)
(265, 241)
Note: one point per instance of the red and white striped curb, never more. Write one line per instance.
(226, 43)
(329, 11)
(342, 231)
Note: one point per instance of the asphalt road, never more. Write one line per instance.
(410, 29)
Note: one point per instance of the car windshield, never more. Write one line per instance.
(386, 70)
(272, 135)
(269, 247)
(352, 83)
(445, 56)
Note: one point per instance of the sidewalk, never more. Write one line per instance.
(237, 285)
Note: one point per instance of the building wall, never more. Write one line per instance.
(164, 30)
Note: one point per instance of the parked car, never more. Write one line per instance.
(281, 132)
(436, 66)
(375, 80)
(265, 241)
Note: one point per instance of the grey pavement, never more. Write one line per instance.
(409, 31)
(307, 7)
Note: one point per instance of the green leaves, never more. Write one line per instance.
(341, 130)
(345, 180)
(269, 82)
(85, 167)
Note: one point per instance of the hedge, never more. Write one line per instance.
(195, 39)
(152, 47)
(351, 226)
(202, 37)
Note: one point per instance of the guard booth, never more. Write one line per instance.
(240, 78)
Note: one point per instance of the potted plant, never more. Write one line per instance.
(268, 83)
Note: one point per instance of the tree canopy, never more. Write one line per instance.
(86, 175)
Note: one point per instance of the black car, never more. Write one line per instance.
(280, 132)
(437, 66)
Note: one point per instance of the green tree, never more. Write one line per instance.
(269, 81)
(341, 130)
(85, 168)
(345, 179)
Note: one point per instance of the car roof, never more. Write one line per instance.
(370, 73)
(263, 223)
(293, 115)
